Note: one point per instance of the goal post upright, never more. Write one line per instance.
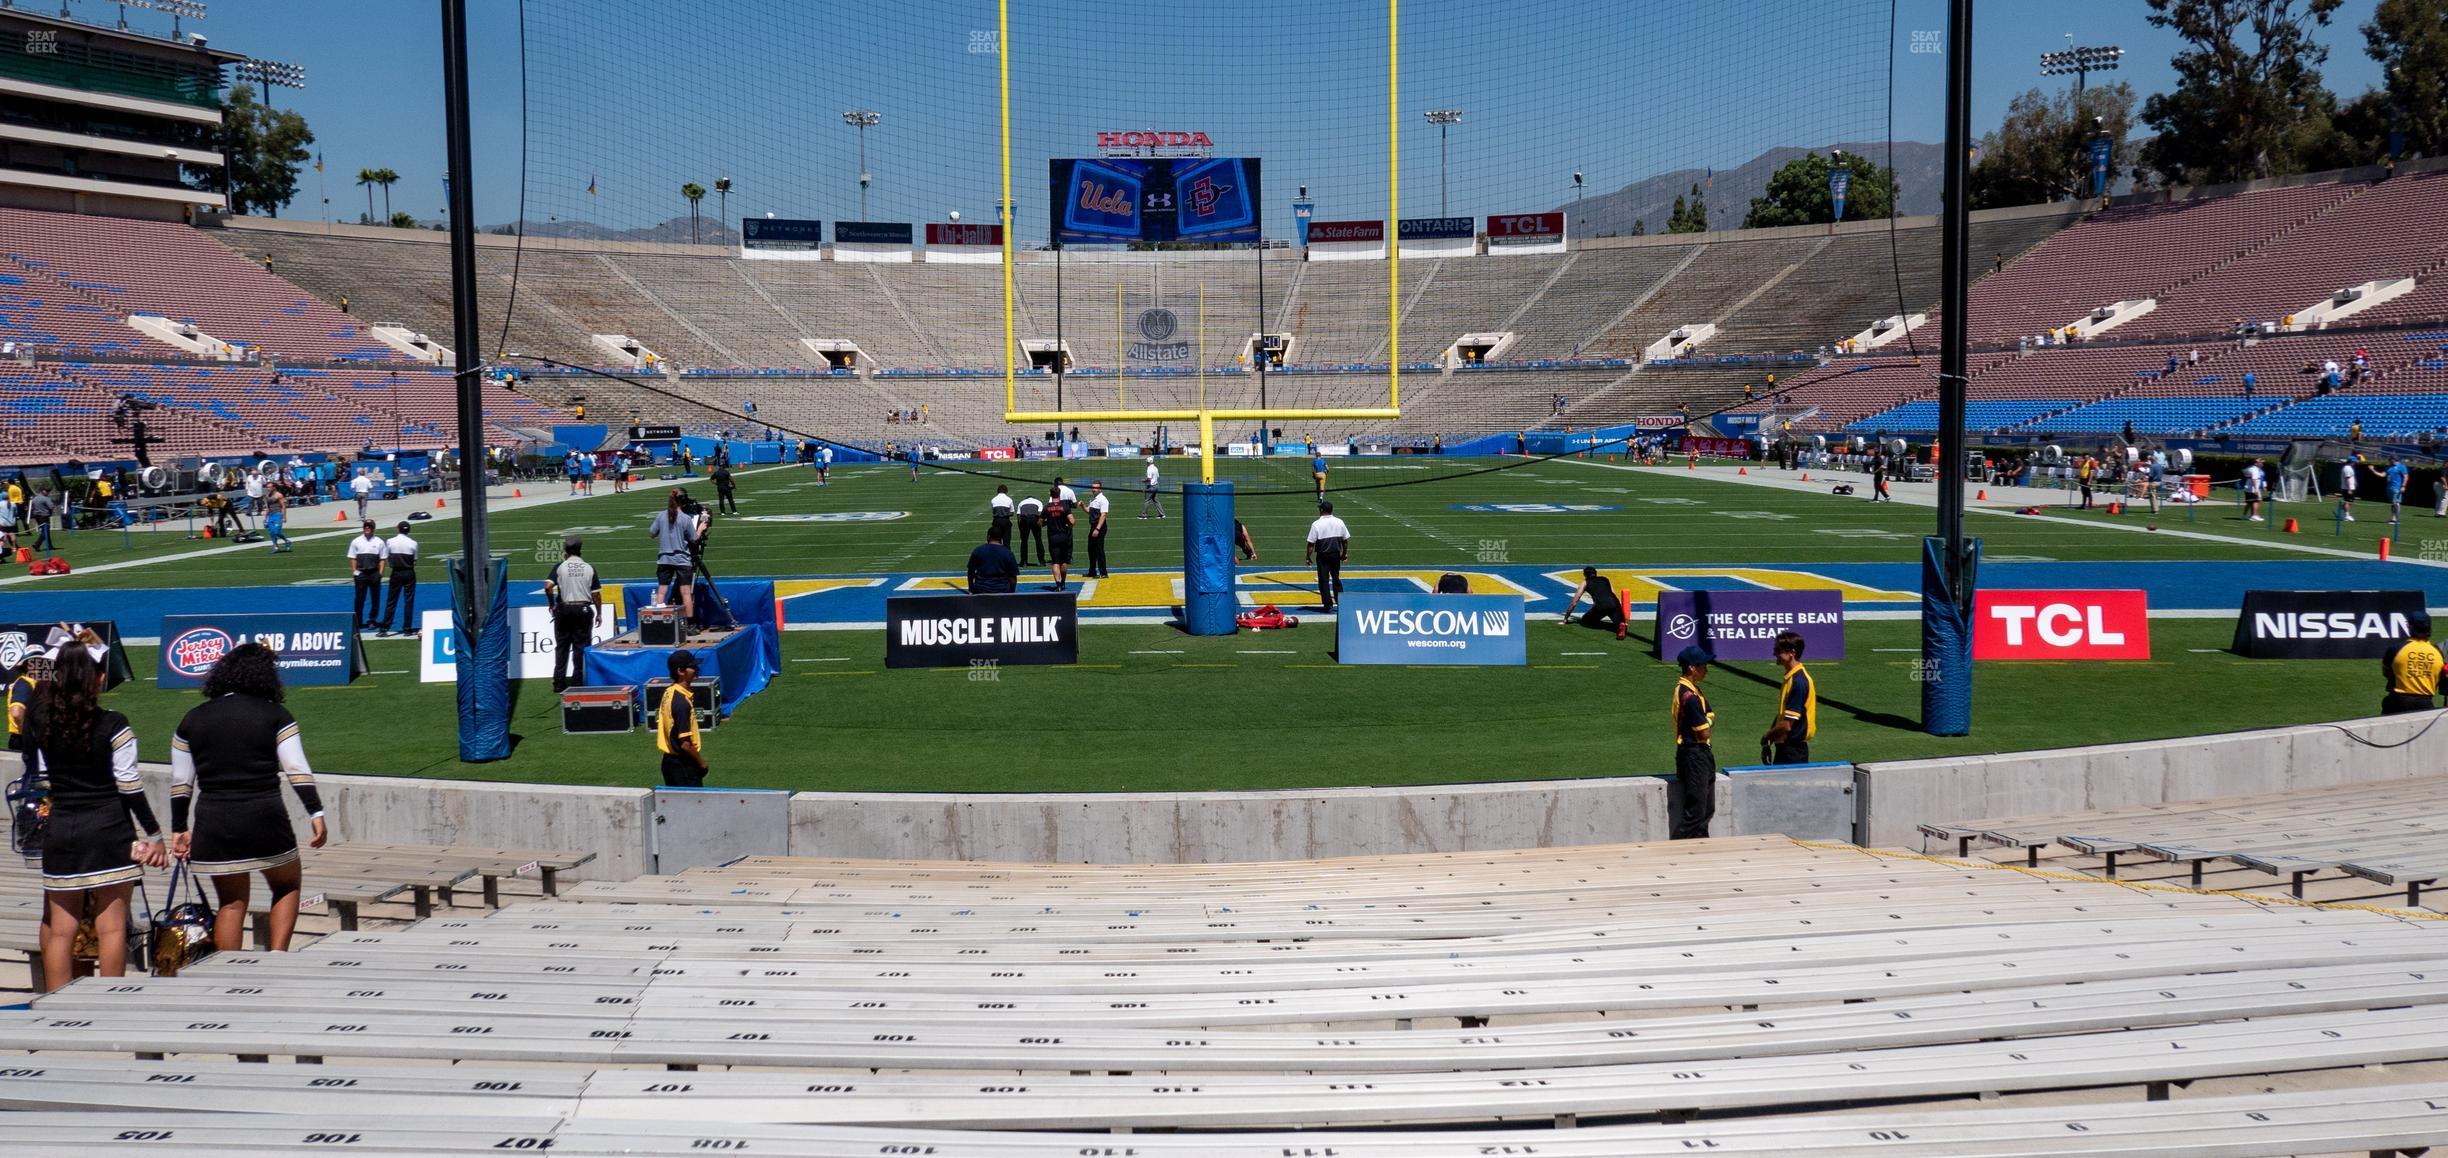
(1204, 415)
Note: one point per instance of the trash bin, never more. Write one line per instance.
(2199, 484)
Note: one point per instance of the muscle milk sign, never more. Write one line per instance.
(981, 630)
(2324, 624)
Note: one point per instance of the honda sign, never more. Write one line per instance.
(2060, 625)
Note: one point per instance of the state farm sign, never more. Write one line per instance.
(1324, 231)
(2060, 625)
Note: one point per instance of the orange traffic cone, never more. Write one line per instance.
(1981, 497)
(517, 493)
(2290, 526)
(2384, 550)
(339, 516)
(2116, 508)
(1742, 470)
(1806, 476)
(438, 504)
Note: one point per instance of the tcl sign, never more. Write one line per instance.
(1526, 225)
(2060, 625)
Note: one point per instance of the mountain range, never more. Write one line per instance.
(1729, 191)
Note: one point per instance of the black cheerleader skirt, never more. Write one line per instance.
(85, 845)
(240, 834)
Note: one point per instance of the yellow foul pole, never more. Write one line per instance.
(1393, 205)
(1011, 337)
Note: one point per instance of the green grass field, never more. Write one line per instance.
(1666, 518)
(1149, 708)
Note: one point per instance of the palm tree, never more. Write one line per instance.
(369, 178)
(386, 178)
(695, 193)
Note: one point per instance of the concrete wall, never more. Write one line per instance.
(1210, 827)
(1899, 796)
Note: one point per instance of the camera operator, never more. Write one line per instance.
(679, 534)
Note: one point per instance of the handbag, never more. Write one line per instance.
(182, 930)
(29, 810)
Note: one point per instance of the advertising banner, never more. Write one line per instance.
(767, 236)
(99, 637)
(1744, 624)
(995, 453)
(1840, 181)
(1416, 627)
(1326, 231)
(317, 649)
(1526, 233)
(981, 632)
(1722, 447)
(2324, 624)
(531, 656)
(869, 232)
(952, 233)
(2060, 625)
(1439, 228)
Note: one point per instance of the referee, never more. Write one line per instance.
(1788, 739)
(1329, 544)
(1695, 784)
(2412, 668)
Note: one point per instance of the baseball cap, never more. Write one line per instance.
(680, 659)
(1695, 656)
(574, 543)
(403, 527)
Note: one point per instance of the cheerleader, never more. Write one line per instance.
(228, 760)
(100, 833)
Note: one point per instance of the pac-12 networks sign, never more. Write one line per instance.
(2060, 625)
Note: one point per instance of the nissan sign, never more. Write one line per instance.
(2060, 625)
(2324, 624)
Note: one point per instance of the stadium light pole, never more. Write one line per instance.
(862, 120)
(270, 73)
(1442, 118)
(2079, 62)
(722, 194)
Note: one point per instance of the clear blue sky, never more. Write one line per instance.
(641, 95)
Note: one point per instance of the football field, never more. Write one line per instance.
(1150, 708)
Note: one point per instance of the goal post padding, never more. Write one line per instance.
(1210, 598)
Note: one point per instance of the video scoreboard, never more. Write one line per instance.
(1111, 200)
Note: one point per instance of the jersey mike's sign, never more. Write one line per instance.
(2324, 624)
(1415, 627)
(981, 631)
(2060, 625)
(315, 648)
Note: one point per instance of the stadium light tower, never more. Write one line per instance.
(1442, 118)
(268, 73)
(2080, 63)
(863, 119)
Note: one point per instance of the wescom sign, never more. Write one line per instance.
(2060, 625)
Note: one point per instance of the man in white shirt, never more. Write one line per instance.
(2254, 480)
(2346, 489)
(1098, 507)
(1148, 500)
(362, 489)
(999, 510)
(575, 594)
(400, 555)
(365, 559)
(1032, 529)
(1329, 545)
(824, 464)
(255, 492)
(1064, 492)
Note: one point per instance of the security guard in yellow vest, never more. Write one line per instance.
(676, 735)
(1797, 720)
(2412, 667)
(1694, 791)
(20, 701)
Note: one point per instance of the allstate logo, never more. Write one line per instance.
(1682, 627)
(1156, 325)
(829, 517)
(194, 651)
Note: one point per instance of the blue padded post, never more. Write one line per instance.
(1210, 599)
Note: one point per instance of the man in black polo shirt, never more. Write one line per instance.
(1694, 791)
(992, 570)
(365, 556)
